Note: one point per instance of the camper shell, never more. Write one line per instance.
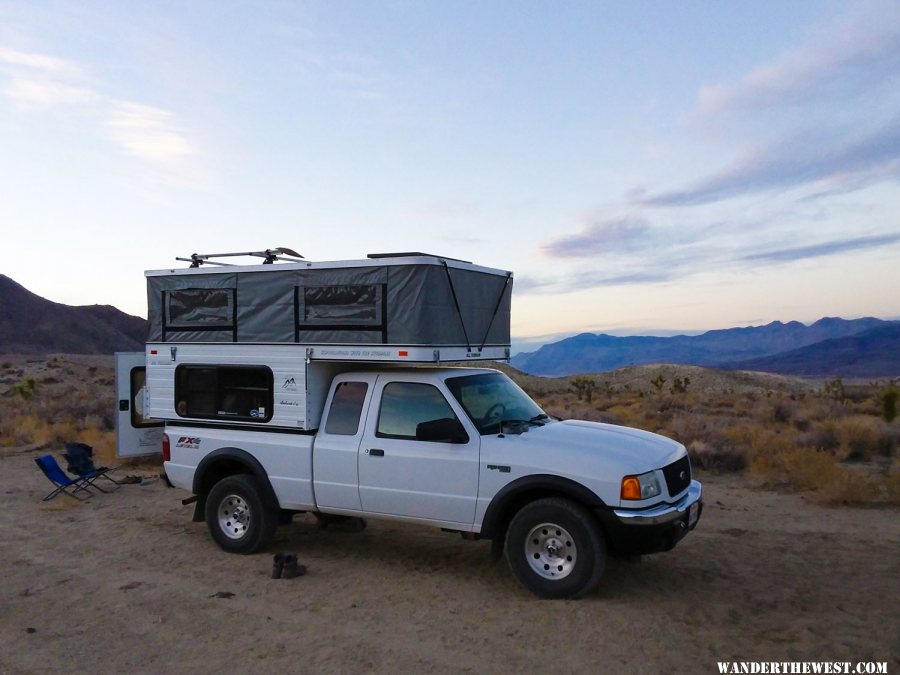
(268, 339)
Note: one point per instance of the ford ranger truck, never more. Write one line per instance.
(462, 449)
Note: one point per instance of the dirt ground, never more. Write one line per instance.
(127, 583)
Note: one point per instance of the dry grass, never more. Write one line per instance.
(784, 432)
(47, 402)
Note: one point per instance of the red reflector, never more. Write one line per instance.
(402, 353)
(152, 352)
(167, 451)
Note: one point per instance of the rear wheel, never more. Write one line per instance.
(236, 516)
(555, 549)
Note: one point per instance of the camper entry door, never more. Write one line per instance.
(135, 435)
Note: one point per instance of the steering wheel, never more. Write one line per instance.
(495, 411)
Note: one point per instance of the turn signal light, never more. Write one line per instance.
(167, 450)
(631, 488)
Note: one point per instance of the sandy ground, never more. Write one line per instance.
(126, 583)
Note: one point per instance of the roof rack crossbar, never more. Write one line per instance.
(270, 255)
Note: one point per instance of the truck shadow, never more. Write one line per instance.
(398, 549)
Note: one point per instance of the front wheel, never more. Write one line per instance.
(555, 549)
(236, 516)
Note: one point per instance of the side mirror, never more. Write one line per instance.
(444, 430)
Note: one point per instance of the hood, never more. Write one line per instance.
(595, 448)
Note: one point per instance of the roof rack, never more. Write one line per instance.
(270, 255)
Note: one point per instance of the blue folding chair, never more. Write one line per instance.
(80, 457)
(64, 484)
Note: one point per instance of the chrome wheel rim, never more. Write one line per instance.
(550, 551)
(234, 516)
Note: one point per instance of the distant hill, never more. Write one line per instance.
(873, 353)
(588, 352)
(30, 324)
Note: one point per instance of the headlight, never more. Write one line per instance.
(640, 487)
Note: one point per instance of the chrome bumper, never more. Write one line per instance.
(664, 513)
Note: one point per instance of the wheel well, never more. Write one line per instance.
(501, 511)
(226, 462)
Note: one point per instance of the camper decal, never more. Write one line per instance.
(289, 384)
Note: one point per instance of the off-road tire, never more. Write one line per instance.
(237, 518)
(555, 548)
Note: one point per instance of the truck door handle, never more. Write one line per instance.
(376, 452)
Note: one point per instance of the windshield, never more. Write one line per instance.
(490, 399)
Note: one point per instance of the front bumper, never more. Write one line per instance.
(658, 528)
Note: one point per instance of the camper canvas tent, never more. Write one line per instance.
(406, 300)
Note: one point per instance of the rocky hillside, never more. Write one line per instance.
(30, 324)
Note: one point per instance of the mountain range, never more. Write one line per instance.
(829, 347)
(30, 324)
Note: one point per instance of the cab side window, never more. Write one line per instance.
(409, 407)
(346, 408)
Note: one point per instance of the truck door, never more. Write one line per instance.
(135, 435)
(335, 468)
(402, 474)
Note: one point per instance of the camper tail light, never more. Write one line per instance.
(167, 449)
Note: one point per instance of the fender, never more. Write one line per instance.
(229, 459)
(513, 495)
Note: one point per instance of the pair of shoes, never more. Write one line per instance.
(292, 568)
(285, 566)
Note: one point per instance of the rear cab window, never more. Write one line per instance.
(346, 408)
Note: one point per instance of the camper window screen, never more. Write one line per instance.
(224, 392)
(200, 308)
(358, 305)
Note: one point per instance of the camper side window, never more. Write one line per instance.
(224, 392)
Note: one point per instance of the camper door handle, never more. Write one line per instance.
(123, 405)
(375, 452)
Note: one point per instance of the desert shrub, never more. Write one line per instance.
(834, 389)
(725, 459)
(584, 387)
(858, 438)
(887, 398)
(798, 468)
(680, 385)
(686, 428)
(26, 388)
(801, 423)
(824, 436)
(782, 412)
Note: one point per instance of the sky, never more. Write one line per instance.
(642, 168)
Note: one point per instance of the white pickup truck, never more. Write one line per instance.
(463, 449)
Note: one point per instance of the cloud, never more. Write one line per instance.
(856, 54)
(796, 161)
(147, 132)
(823, 249)
(45, 93)
(622, 233)
(40, 62)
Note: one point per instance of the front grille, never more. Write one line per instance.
(674, 472)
